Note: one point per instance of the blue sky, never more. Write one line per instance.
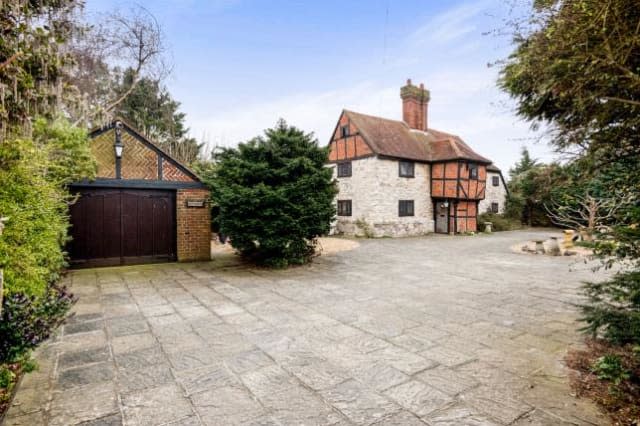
(239, 65)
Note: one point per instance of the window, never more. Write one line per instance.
(405, 208)
(495, 208)
(344, 207)
(495, 180)
(407, 169)
(344, 131)
(344, 169)
(473, 171)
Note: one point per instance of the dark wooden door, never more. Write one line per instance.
(122, 226)
(442, 217)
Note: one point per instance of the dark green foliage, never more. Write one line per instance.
(498, 222)
(32, 172)
(575, 68)
(530, 187)
(609, 367)
(26, 321)
(151, 109)
(613, 308)
(275, 196)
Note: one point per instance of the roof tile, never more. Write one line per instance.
(395, 138)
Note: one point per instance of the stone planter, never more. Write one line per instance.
(554, 247)
(488, 227)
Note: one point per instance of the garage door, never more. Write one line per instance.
(121, 226)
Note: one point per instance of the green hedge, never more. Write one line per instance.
(33, 173)
(499, 222)
(33, 195)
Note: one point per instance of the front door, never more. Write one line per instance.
(442, 217)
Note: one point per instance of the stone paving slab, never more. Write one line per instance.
(419, 331)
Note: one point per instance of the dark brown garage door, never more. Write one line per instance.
(122, 226)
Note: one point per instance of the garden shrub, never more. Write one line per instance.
(499, 222)
(613, 308)
(34, 173)
(28, 320)
(275, 196)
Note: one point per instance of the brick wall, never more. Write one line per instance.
(193, 226)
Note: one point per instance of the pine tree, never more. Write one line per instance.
(275, 196)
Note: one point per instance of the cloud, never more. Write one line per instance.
(464, 96)
(449, 26)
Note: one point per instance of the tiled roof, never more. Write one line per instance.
(493, 168)
(395, 138)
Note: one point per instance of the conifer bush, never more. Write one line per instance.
(275, 196)
(612, 310)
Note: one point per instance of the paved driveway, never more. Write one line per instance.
(437, 330)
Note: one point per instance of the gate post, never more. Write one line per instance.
(2, 221)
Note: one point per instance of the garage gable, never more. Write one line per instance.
(141, 160)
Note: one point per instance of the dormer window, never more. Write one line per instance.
(344, 131)
(473, 171)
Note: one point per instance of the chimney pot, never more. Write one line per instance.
(408, 82)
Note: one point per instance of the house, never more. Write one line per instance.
(401, 178)
(144, 206)
(496, 192)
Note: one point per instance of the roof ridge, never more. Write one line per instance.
(375, 116)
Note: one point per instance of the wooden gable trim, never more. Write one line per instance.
(145, 141)
(358, 131)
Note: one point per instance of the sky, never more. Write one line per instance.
(240, 65)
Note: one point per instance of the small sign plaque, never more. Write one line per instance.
(195, 203)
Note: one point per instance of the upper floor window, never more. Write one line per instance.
(473, 171)
(495, 180)
(344, 131)
(344, 169)
(344, 207)
(495, 207)
(407, 169)
(405, 208)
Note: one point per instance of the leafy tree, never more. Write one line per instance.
(150, 107)
(529, 186)
(275, 196)
(576, 68)
(32, 60)
(129, 39)
(523, 165)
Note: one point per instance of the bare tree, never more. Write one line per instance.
(587, 212)
(131, 40)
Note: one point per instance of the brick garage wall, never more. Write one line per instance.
(374, 189)
(193, 226)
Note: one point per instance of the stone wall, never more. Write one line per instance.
(374, 189)
(493, 194)
(193, 226)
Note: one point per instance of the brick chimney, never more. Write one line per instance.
(415, 105)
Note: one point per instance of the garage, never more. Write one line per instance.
(123, 227)
(143, 206)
